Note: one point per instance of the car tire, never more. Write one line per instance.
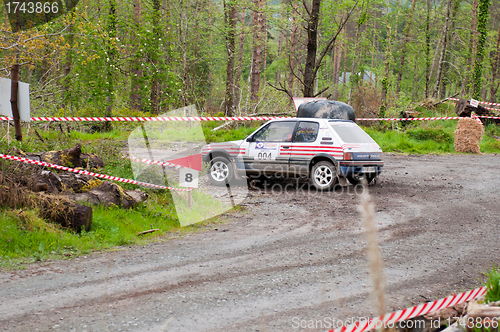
(323, 176)
(358, 178)
(220, 171)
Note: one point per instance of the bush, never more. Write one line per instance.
(493, 285)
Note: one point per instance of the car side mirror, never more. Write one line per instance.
(250, 138)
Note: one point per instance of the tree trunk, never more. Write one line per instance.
(136, 68)
(312, 47)
(483, 13)
(403, 48)
(280, 46)
(473, 38)
(111, 50)
(494, 70)
(257, 50)
(374, 38)
(230, 22)
(293, 41)
(336, 68)
(13, 99)
(385, 79)
(239, 66)
(472, 50)
(446, 65)
(155, 58)
(67, 65)
(264, 48)
(428, 50)
(208, 101)
(446, 26)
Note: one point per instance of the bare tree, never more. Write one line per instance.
(239, 65)
(293, 39)
(258, 23)
(230, 22)
(136, 70)
(443, 50)
(313, 60)
(494, 70)
(403, 47)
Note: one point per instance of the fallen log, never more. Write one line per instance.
(65, 212)
(111, 194)
(483, 311)
(464, 109)
(72, 157)
(56, 208)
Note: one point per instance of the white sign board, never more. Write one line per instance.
(188, 177)
(474, 103)
(23, 99)
(297, 101)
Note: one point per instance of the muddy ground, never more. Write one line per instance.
(283, 261)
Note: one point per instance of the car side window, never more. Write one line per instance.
(306, 132)
(281, 131)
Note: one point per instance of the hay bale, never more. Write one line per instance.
(467, 135)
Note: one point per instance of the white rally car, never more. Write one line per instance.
(321, 149)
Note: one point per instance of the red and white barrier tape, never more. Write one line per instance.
(481, 102)
(155, 162)
(246, 118)
(151, 119)
(102, 176)
(410, 119)
(474, 116)
(419, 310)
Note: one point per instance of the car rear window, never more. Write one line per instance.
(351, 133)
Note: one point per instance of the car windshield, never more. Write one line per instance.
(351, 133)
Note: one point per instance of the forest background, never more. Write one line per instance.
(241, 57)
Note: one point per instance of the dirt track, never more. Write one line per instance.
(287, 259)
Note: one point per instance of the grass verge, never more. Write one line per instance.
(493, 285)
(428, 137)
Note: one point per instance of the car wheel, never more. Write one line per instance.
(358, 178)
(323, 175)
(220, 171)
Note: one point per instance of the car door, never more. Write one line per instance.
(304, 147)
(269, 148)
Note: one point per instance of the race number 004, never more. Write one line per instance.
(264, 156)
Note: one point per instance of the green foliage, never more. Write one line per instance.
(493, 285)
(428, 137)
(26, 238)
(393, 141)
(228, 134)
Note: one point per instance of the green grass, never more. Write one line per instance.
(25, 238)
(493, 285)
(428, 137)
(240, 131)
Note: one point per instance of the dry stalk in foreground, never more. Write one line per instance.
(367, 209)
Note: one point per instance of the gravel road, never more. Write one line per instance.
(283, 261)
